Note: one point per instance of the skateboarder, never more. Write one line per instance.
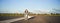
(26, 14)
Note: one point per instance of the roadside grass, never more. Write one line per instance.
(6, 14)
(44, 14)
(29, 14)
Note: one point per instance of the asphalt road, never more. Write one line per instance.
(41, 19)
(2, 18)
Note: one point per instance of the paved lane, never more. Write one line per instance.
(36, 19)
(41, 19)
(15, 19)
(8, 17)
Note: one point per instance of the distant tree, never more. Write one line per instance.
(56, 10)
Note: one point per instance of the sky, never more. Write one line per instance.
(12, 6)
